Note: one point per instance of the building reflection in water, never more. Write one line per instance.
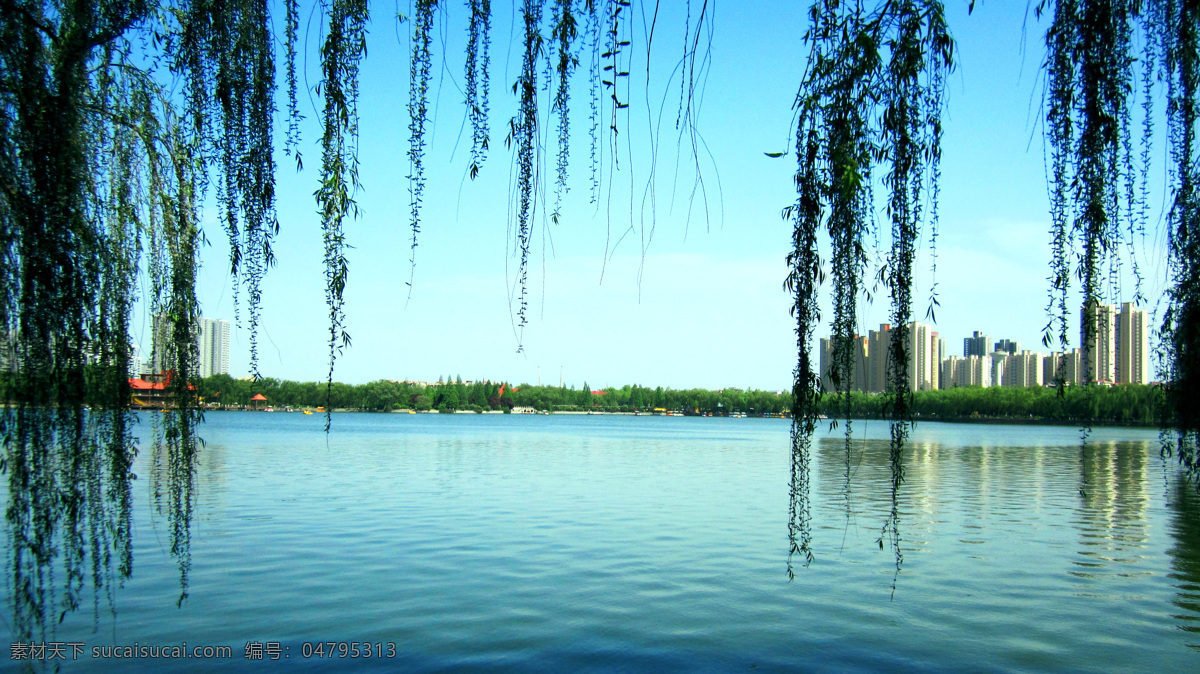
(1113, 513)
(1183, 503)
(1012, 502)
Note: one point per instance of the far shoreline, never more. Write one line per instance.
(978, 420)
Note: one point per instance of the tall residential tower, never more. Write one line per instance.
(212, 342)
(1133, 345)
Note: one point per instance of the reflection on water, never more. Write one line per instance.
(647, 544)
(1003, 501)
(69, 510)
(1184, 504)
(799, 508)
(1112, 517)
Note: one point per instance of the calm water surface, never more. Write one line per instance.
(603, 543)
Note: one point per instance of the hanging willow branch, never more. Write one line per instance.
(1175, 27)
(803, 281)
(291, 145)
(341, 53)
(1096, 202)
(523, 133)
(873, 94)
(418, 116)
(101, 172)
(564, 33)
(595, 96)
(226, 55)
(1090, 81)
(478, 84)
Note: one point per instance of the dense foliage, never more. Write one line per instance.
(1127, 404)
(871, 98)
(385, 395)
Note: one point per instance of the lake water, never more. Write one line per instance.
(606, 543)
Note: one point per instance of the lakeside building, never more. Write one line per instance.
(938, 346)
(1007, 346)
(857, 379)
(154, 391)
(966, 371)
(134, 367)
(1118, 354)
(212, 346)
(1133, 345)
(921, 358)
(1068, 365)
(947, 370)
(871, 356)
(975, 345)
(999, 359)
(1098, 353)
(10, 356)
(878, 343)
(1024, 370)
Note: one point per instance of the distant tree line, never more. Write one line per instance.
(1127, 404)
(449, 396)
(1131, 404)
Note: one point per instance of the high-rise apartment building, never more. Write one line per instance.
(134, 366)
(938, 348)
(921, 363)
(968, 371)
(161, 327)
(1098, 354)
(825, 362)
(1007, 346)
(1133, 345)
(1069, 365)
(879, 343)
(1023, 370)
(998, 364)
(947, 370)
(1118, 353)
(212, 346)
(975, 345)
(857, 378)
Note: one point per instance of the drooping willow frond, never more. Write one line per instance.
(291, 145)
(1175, 27)
(341, 53)
(872, 96)
(523, 134)
(1090, 84)
(102, 173)
(563, 34)
(478, 83)
(420, 68)
(227, 57)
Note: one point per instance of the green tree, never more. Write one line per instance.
(449, 400)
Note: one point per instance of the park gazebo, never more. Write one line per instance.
(258, 398)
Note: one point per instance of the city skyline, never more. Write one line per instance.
(1118, 354)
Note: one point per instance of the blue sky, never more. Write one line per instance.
(701, 304)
